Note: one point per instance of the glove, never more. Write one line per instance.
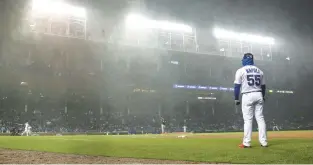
(237, 102)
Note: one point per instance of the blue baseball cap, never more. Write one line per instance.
(247, 59)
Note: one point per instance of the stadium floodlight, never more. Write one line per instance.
(23, 83)
(57, 8)
(137, 21)
(225, 34)
(169, 26)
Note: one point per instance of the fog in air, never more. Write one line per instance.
(151, 67)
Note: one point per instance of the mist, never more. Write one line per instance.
(95, 74)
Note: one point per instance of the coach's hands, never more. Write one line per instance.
(237, 102)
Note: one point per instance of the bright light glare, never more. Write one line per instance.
(57, 8)
(225, 34)
(136, 21)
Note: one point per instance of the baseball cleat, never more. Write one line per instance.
(264, 146)
(243, 146)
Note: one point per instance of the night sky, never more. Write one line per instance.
(277, 16)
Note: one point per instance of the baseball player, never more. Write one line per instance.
(27, 129)
(275, 126)
(185, 128)
(251, 81)
(162, 125)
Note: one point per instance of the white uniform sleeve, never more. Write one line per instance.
(238, 77)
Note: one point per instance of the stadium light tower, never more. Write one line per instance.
(137, 22)
(143, 31)
(56, 17)
(57, 7)
(236, 44)
(225, 34)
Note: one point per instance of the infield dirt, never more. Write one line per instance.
(8, 156)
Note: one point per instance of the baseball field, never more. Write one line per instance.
(284, 147)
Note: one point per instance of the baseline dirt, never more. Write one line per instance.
(8, 156)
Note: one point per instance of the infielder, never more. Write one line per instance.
(275, 128)
(251, 81)
(162, 125)
(185, 128)
(27, 129)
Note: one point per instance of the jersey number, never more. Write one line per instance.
(254, 80)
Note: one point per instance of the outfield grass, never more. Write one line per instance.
(193, 148)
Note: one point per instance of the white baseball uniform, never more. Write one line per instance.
(251, 78)
(27, 129)
(162, 128)
(185, 128)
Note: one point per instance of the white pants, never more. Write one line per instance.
(27, 131)
(275, 128)
(162, 128)
(252, 104)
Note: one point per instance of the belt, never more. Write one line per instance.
(251, 92)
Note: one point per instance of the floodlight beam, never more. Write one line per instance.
(57, 7)
(225, 34)
(137, 21)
